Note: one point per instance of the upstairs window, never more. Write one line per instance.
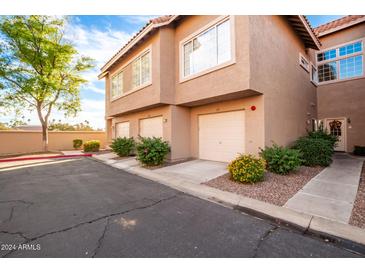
(327, 55)
(141, 70)
(117, 85)
(208, 49)
(341, 63)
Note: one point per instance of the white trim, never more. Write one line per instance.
(121, 69)
(311, 74)
(187, 39)
(352, 23)
(306, 68)
(339, 58)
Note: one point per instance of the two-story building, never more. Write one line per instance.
(215, 86)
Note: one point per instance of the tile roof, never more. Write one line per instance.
(337, 24)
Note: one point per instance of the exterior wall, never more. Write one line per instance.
(146, 96)
(176, 127)
(254, 134)
(218, 82)
(133, 119)
(345, 98)
(16, 142)
(289, 95)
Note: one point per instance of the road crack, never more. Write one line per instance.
(100, 241)
(87, 222)
(263, 239)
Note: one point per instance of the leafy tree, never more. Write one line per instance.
(3, 126)
(68, 127)
(39, 69)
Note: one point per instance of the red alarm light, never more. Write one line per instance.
(253, 108)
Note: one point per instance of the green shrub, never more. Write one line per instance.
(247, 169)
(77, 143)
(123, 146)
(315, 151)
(152, 151)
(323, 134)
(281, 160)
(359, 150)
(92, 146)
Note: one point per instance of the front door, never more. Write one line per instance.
(337, 128)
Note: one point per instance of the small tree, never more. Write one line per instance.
(39, 69)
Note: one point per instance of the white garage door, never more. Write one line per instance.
(151, 127)
(221, 135)
(122, 130)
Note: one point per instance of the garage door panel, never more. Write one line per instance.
(151, 127)
(221, 135)
(122, 130)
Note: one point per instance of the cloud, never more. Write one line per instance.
(139, 19)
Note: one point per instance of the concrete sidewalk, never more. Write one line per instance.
(331, 194)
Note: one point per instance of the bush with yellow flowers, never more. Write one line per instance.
(247, 169)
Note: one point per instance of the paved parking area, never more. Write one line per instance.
(83, 208)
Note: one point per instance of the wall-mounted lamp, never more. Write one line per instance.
(165, 120)
(349, 123)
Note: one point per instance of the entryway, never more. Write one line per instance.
(337, 127)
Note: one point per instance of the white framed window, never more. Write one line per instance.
(208, 49)
(304, 63)
(117, 85)
(342, 62)
(141, 70)
(313, 74)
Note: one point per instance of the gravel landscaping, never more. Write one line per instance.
(358, 212)
(275, 189)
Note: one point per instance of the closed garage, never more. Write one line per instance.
(221, 135)
(122, 130)
(151, 127)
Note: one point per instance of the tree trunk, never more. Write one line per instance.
(45, 136)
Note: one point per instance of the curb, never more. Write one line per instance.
(335, 231)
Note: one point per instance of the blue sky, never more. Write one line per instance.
(100, 37)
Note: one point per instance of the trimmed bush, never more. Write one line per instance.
(247, 169)
(315, 151)
(281, 160)
(92, 146)
(359, 150)
(123, 146)
(323, 134)
(152, 151)
(77, 143)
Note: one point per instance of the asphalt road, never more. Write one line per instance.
(83, 208)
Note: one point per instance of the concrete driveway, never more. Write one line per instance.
(195, 171)
(83, 208)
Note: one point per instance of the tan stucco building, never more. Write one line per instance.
(215, 86)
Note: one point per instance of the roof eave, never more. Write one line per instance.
(311, 33)
(132, 43)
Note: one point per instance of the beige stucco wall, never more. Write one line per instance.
(229, 79)
(146, 96)
(15, 142)
(180, 126)
(289, 95)
(345, 98)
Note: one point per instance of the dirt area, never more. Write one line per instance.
(275, 189)
(358, 212)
